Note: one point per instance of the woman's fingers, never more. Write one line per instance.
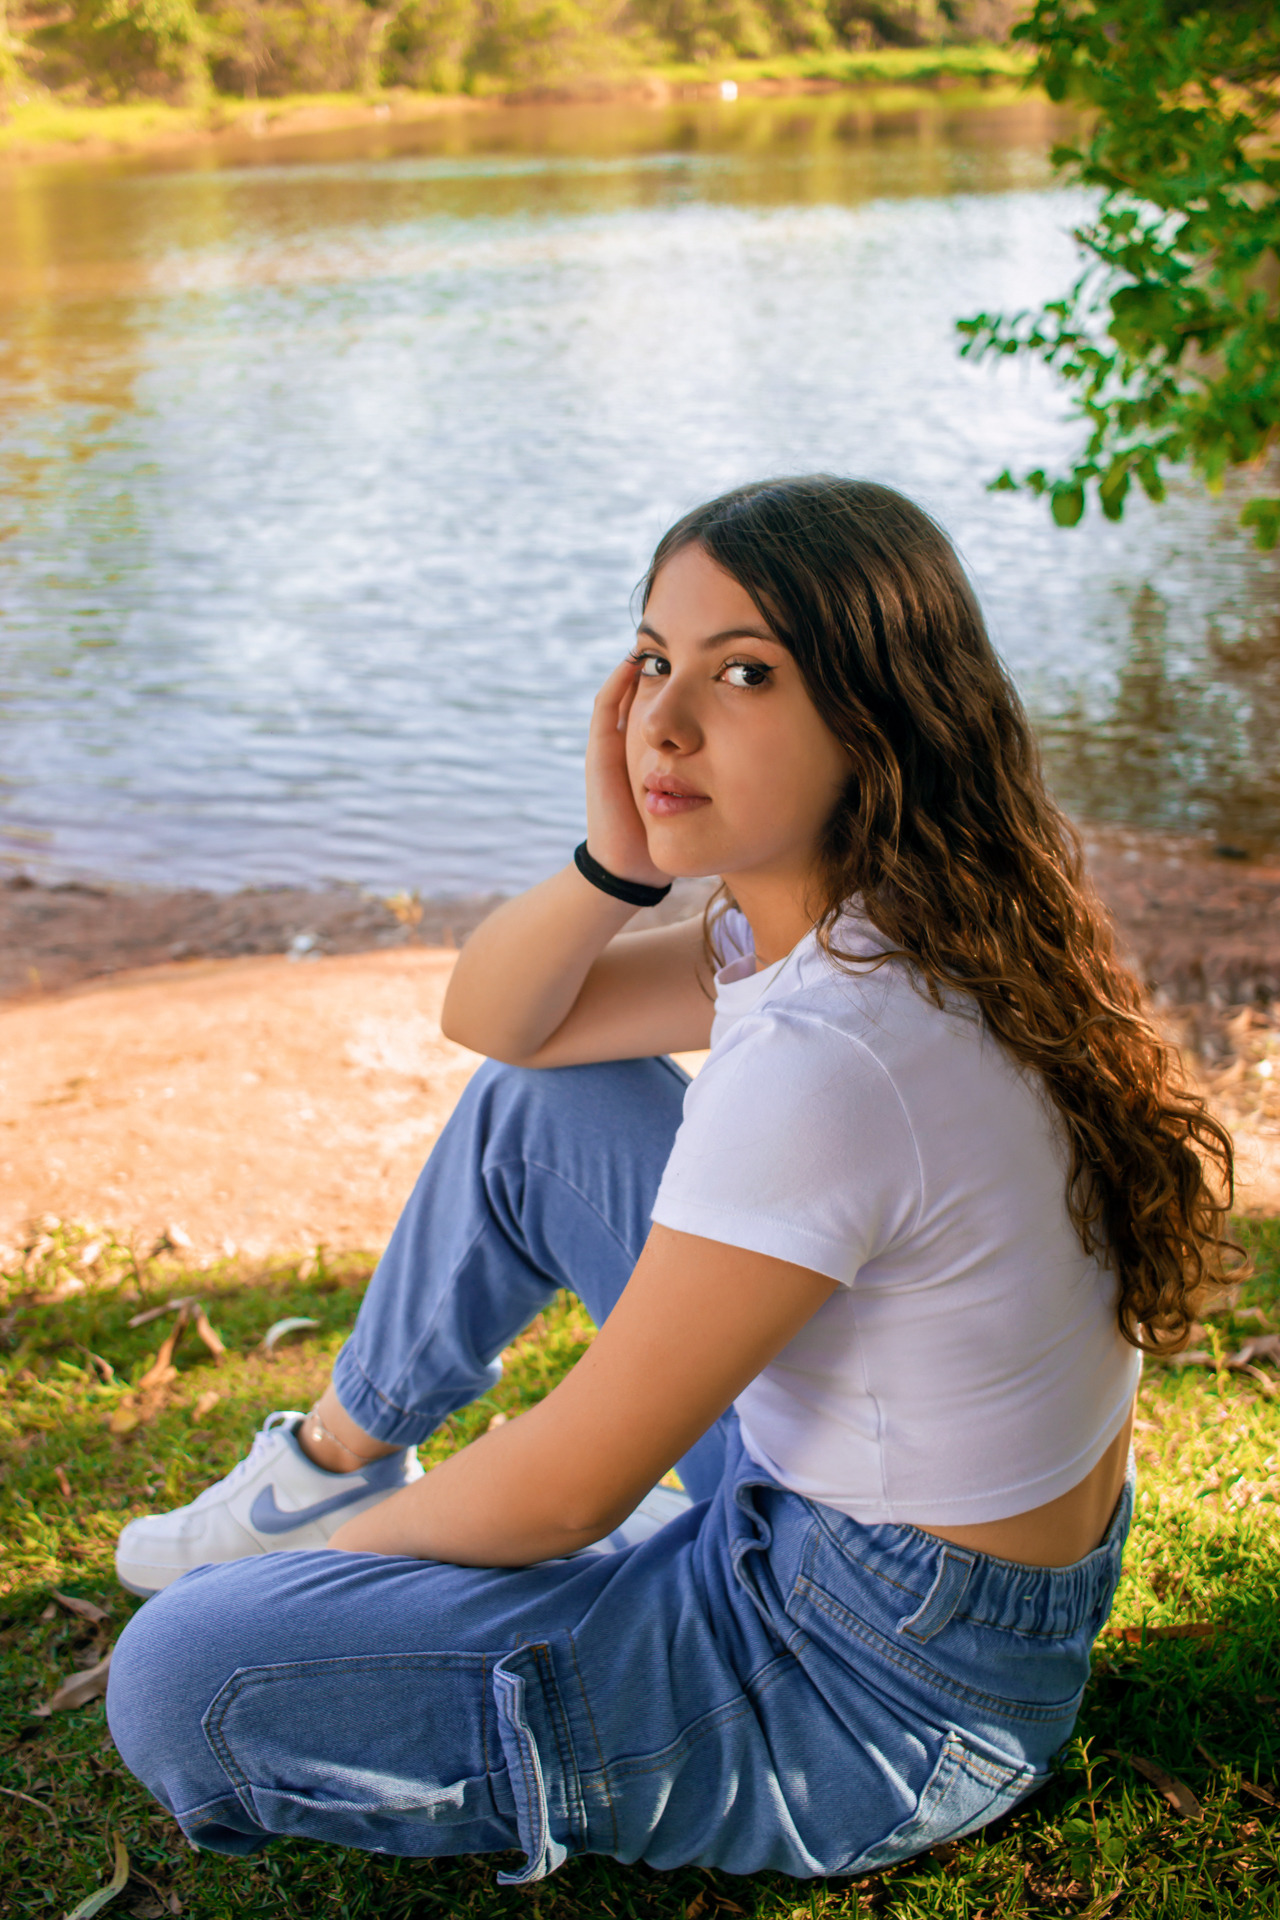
(617, 693)
(628, 699)
(615, 828)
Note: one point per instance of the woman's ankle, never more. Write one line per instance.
(331, 1439)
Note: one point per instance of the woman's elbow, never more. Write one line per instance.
(465, 1029)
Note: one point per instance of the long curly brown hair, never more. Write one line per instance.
(947, 835)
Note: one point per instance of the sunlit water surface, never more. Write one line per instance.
(327, 475)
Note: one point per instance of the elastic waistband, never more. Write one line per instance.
(1050, 1602)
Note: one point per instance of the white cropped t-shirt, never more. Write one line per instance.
(969, 1365)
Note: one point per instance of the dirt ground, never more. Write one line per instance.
(265, 1071)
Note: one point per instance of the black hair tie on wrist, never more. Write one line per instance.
(632, 891)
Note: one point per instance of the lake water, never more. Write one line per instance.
(326, 474)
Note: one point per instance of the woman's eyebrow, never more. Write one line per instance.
(716, 639)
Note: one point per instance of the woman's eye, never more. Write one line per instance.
(652, 666)
(742, 673)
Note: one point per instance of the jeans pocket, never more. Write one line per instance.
(967, 1789)
(352, 1749)
(540, 1763)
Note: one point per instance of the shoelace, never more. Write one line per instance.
(268, 1435)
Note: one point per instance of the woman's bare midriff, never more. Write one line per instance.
(1061, 1531)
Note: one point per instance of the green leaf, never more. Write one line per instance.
(1263, 516)
(1166, 341)
(1112, 490)
(1066, 502)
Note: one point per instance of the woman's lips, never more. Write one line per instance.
(665, 798)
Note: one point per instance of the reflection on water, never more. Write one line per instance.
(326, 478)
(1186, 735)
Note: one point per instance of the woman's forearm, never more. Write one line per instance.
(523, 968)
(496, 1503)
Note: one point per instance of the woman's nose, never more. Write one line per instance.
(667, 718)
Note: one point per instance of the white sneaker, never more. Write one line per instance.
(274, 1500)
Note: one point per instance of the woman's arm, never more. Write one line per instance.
(545, 982)
(696, 1322)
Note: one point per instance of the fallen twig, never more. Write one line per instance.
(156, 1313)
(15, 1795)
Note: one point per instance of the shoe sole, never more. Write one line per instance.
(143, 1593)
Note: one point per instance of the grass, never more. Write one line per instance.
(978, 63)
(44, 121)
(85, 1444)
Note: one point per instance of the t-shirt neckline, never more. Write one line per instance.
(739, 990)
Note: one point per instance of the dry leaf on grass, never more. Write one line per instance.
(77, 1691)
(64, 1485)
(205, 1404)
(86, 1609)
(1179, 1796)
(1255, 1792)
(95, 1902)
(1102, 1905)
(1184, 1630)
(276, 1332)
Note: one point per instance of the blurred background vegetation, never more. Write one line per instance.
(184, 51)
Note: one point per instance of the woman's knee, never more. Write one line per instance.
(167, 1666)
(597, 1101)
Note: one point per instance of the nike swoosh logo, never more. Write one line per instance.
(267, 1517)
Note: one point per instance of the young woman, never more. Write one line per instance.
(875, 1282)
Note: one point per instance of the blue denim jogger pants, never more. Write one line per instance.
(764, 1683)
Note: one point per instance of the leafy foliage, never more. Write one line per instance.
(132, 47)
(179, 49)
(1169, 341)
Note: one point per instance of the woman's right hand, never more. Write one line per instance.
(616, 834)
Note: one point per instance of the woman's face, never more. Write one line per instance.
(732, 767)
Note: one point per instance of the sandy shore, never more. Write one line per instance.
(165, 1061)
(1203, 931)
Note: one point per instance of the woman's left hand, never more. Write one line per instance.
(616, 834)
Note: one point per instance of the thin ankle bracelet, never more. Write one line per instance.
(325, 1433)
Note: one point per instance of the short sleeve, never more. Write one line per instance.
(795, 1144)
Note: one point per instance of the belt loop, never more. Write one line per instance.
(943, 1597)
